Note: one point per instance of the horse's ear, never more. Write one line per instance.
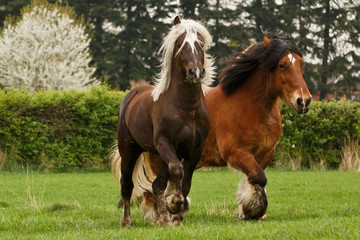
(177, 20)
(266, 41)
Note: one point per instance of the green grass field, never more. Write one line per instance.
(302, 205)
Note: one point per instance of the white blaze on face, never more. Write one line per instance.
(197, 73)
(302, 94)
(291, 58)
(191, 38)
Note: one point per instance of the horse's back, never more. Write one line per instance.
(137, 92)
(135, 114)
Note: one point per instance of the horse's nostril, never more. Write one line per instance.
(191, 72)
(299, 102)
(202, 74)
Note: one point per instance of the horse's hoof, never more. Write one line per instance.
(176, 220)
(174, 204)
(255, 207)
(125, 222)
(163, 220)
(241, 216)
(252, 201)
(263, 217)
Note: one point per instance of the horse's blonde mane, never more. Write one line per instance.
(191, 28)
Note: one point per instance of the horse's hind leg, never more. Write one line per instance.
(148, 205)
(129, 152)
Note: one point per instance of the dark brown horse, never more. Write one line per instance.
(245, 121)
(169, 120)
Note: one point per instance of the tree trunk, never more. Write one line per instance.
(259, 19)
(325, 70)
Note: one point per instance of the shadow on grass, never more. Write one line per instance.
(4, 204)
(58, 207)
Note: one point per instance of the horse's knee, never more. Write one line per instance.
(257, 177)
(176, 170)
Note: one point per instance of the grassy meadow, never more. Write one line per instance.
(302, 205)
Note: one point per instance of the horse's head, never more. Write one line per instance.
(184, 51)
(189, 55)
(289, 80)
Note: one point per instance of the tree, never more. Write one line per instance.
(226, 25)
(140, 39)
(11, 7)
(100, 15)
(46, 47)
(126, 37)
(263, 15)
(335, 34)
(192, 9)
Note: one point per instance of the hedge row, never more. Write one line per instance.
(59, 129)
(72, 129)
(320, 134)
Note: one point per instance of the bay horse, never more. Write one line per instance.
(245, 121)
(169, 120)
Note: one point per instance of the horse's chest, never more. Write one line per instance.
(191, 135)
(267, 137)
(193, 132)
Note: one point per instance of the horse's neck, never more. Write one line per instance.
(186, 95)
(264, 96)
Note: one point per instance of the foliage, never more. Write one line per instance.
(126, 34)
(45, 48)
(59, 129)
(62, 129)
(302, 205)
(320, 134)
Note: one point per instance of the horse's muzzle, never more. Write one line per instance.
(195, 75)
(302, 105)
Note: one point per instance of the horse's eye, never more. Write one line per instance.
(281, 66)
(179, 46)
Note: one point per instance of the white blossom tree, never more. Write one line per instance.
(45, 48)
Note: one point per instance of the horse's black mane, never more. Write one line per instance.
(241, 65)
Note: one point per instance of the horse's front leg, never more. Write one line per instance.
(189, 164)
(162, 216)
(251, 195)
(176, 174)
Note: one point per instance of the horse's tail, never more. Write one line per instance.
(143, 176)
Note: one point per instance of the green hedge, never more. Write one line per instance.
(58, 130)
(320, 134)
